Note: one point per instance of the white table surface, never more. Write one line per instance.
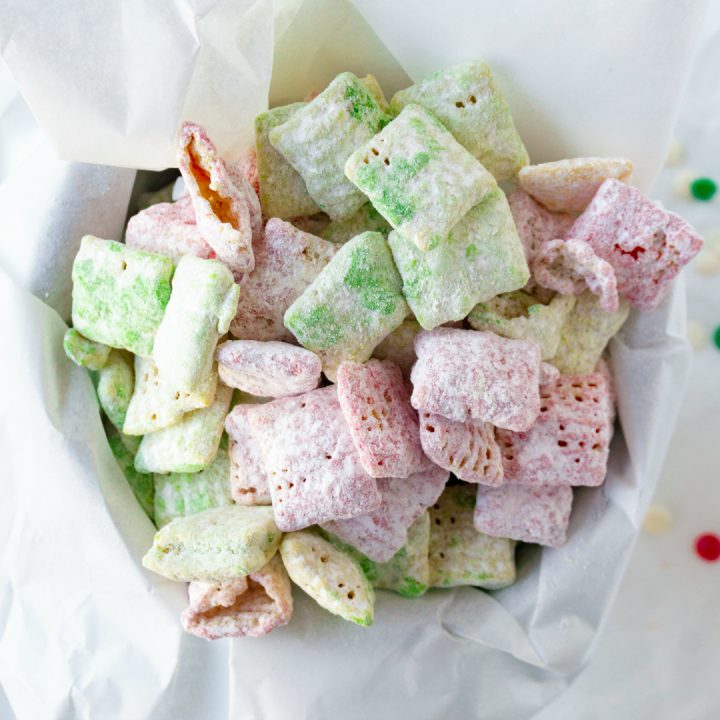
(659, 656)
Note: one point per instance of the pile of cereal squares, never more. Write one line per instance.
(351, 360)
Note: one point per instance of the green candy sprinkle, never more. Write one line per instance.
(716, 337)
(703, 188)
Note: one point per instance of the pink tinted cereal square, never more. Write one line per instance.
(571, 266)
(168, 229)
(646, 245)
(535, 224)
(569, 443)
(463, 374)
(313, 468)
(287, 260)
(268, 369)
(523, 512)
(468, 449)
(375, 401)
(248, 479)
(382, 532)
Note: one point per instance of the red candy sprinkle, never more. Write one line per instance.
(707, 546)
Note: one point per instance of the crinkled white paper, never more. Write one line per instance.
(86, 631)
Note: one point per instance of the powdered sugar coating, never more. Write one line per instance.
(287, 260)
(351, 306)
(168, 229)
(521, 316)
(236, 172)
(202, 304)
(375, 401)
(464, 374)
(420, 179)
(459, 554)
(313, 468)
(157, 403)
(282, 190)
(381, 533)
(180, 494)
(242, 607)
(569, 185)
(318, 138)
(525, 512)
(268, 369)
(467, 449)
(646, 245)
(535, 225)
(190, 444)
(569, 443)
(221, 211)
(329, 576)
(585, 334)
(570, 266)
(248, 478)
(480, 257)
(466, 100)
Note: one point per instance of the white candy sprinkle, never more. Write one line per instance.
(658, 520)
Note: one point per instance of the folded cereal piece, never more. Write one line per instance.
(399, 346)
(525, 512)
(287, 260)
(119, 294)
(156, 403)
(329, 576)
(520, 316)
(646, 245)
(217, 544)
(190, 444)
(569, 185)
(375, 401)
(203, 302)
(242, 607)
(83, 352)
(585, 334)
(353, 303)
(420, 179)
(282, 190)
(463, 374)
(141, 484)
(180, 494)
(408, 571)
(467, 449)
(248, 479)
(268, 369)
(381, 533)
(569, 443)
(313, 469)
(480, 258)
(466, 100)
(115, 386)
(236, 173)
(535, 225)
(366, 219)
(221, 209)
(570, 266)
(318, 138)
(459, 554)
(168, 229)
